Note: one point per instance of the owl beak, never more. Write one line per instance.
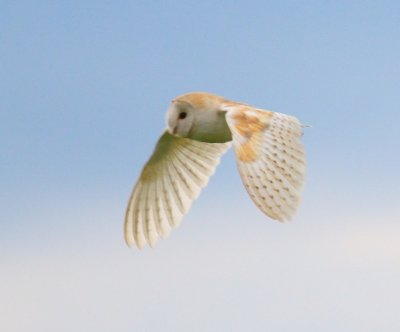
(172, 131)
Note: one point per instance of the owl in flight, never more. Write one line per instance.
(201, 128)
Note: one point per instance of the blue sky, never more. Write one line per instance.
(83, 93)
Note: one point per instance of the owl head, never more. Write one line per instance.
(180, 118)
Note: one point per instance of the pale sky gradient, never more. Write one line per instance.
(83, 93)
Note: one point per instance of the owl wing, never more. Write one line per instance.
(270, 158)
(170, 181)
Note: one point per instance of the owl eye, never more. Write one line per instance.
(182, 115)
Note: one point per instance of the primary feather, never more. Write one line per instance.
(173, 177)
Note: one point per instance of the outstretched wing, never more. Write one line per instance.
(270, 158)
(169, 183)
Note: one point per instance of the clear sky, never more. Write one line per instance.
(84, 86)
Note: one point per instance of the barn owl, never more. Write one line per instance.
(201, 127)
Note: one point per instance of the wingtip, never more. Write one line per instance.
(152, 241)
(139, 246)
(128, 241)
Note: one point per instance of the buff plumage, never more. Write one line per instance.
(201, 126)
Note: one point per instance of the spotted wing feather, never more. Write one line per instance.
(170, 181)
(270, 157)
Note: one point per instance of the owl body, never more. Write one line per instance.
(200, 128)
